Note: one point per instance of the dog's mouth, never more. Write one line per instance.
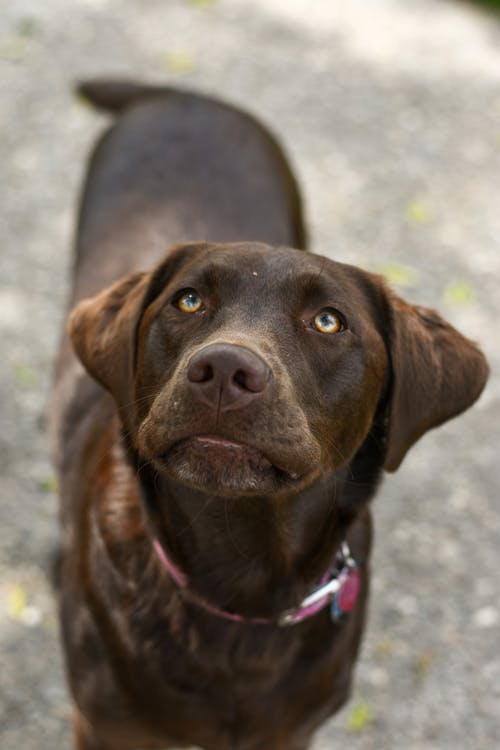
(217, 464)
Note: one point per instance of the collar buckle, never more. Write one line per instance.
(345, 574)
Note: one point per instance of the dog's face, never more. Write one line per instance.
(252, 369)
(234, 385)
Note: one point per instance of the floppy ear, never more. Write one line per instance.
(102, 330)
(436, 374)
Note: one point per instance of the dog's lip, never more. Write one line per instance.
(224, 444)
(219, 441)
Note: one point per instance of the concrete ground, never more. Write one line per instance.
(390, 111)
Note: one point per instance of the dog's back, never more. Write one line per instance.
(177, 167)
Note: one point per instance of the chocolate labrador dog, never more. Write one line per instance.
(219, 435)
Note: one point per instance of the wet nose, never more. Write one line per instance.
(226, 376)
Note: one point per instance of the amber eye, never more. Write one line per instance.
(328, 321)
(189, 301)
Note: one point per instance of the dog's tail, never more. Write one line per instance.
(116, 95)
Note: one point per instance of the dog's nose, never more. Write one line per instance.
(226, 376)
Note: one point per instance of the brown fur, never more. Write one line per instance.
(253, 527)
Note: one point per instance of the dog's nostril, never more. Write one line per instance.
(208, 374)
(241, 379)
(200, 372)
(253, 379)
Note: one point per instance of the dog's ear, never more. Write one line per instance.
(436, 374)
(102, 330)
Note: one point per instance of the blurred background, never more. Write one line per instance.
(390, 113)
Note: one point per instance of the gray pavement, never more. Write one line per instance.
(390, 111)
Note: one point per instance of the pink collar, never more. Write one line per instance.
(339, 587)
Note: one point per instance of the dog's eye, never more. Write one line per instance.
(189, 301)
(328, 321)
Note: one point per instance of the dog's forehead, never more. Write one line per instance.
(254, 266)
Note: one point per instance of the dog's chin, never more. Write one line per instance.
(219, 466)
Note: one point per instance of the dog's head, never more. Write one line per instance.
(252, 369)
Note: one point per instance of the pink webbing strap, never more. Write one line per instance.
(346, 581)
(182, 581)
(177, 575)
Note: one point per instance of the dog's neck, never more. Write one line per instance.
(253, 555)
